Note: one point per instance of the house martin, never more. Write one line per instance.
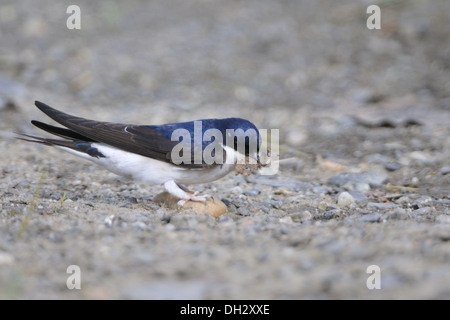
(172, 154)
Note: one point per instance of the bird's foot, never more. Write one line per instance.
(193, 197)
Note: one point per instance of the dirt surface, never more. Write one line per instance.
(364, 136)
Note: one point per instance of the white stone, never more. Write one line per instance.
(345, 199)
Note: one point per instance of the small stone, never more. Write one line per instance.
(263, 206)
(445, 170)
(109, 220)
(345, 199)
(212, 206)
(289, 183)
(243, 211)
(371, 217)
(276, 203)
(6, 258)
(321, 190)
(285, 230)
(291, 163)
(382, 205)
(444, 201)
(252, 192)
(301, 216)
(422, 201)
(365, 96)
(358, 196)
(327, 215)
(392, 166)
(283, 192)
(322, 206)
(398, 214)
(328, 165)
(152, 206)
(403, 200)
(286, 220)
(376, 158)
(425, 211)
(421, 157)
(236, 190)
(139, 225)
(360, 187)
(359, 181)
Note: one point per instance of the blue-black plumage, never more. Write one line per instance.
(144, 152)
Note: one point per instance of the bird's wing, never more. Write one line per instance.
(143, 140)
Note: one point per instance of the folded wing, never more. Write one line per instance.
(143, 140)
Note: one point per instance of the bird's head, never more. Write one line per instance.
(242, 136)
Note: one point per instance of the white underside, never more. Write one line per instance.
(151, 171)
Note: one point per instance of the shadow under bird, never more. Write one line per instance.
(144, 152)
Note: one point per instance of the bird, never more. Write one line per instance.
(172, 154)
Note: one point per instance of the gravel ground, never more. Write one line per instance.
(365, 141)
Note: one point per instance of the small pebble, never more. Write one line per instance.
(285, 230)
(358, 186)
(414, 181)
(392, 166)
(422, 201)
(286, 220)
(243, 211)
(382, 205)
(276, 203)
(139, 225)
(445, 170)
(289, 183)
(252, 192)
(283, 192)
(321, 190)
(109, 220)
(376, 158)
(424, 211)
(358, 196)
(236, 190)
(322, 206)
(421, 157)
(153, 206)
(301, 216)
(327, 215)
(6, 258)
(358, 181)
(398, 214)
(371, 217)
(345, 199)
(403, 200)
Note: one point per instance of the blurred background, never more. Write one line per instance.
(296, 65)
(345, 98)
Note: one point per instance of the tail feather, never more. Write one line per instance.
(83, 147)
(50, 142)
(72, 140)
(61, 132)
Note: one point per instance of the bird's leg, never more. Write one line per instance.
(184, 188)
(184, 195)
